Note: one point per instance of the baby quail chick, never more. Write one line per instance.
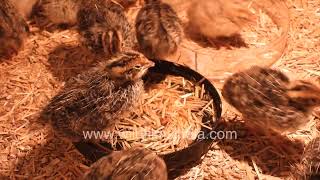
(158, 29)
(50, 14)
(269, 99)
(310, 161)
(13, 30)
(105, 28)
(96, 99)
(218, 18)
(132, 164)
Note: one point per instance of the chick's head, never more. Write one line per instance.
(128, 66)
(304, 95)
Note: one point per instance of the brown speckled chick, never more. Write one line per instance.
(96, 99)
(269, 99)
(219, 18)
(310, 164)
(132, 164)
(158, 29)
(50, 14)
(105, 28)
(13, 30)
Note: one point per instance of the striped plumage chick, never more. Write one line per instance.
(104, 27)
(268, 98)
(96, 99)
(131, 164)
(52, 14)
(158, 30)
(219, 18)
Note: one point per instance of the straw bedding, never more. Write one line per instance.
(29, 149)
(168, 119)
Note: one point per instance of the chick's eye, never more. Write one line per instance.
(137, 67)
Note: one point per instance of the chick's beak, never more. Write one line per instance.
(147, 66)
(150, 64)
